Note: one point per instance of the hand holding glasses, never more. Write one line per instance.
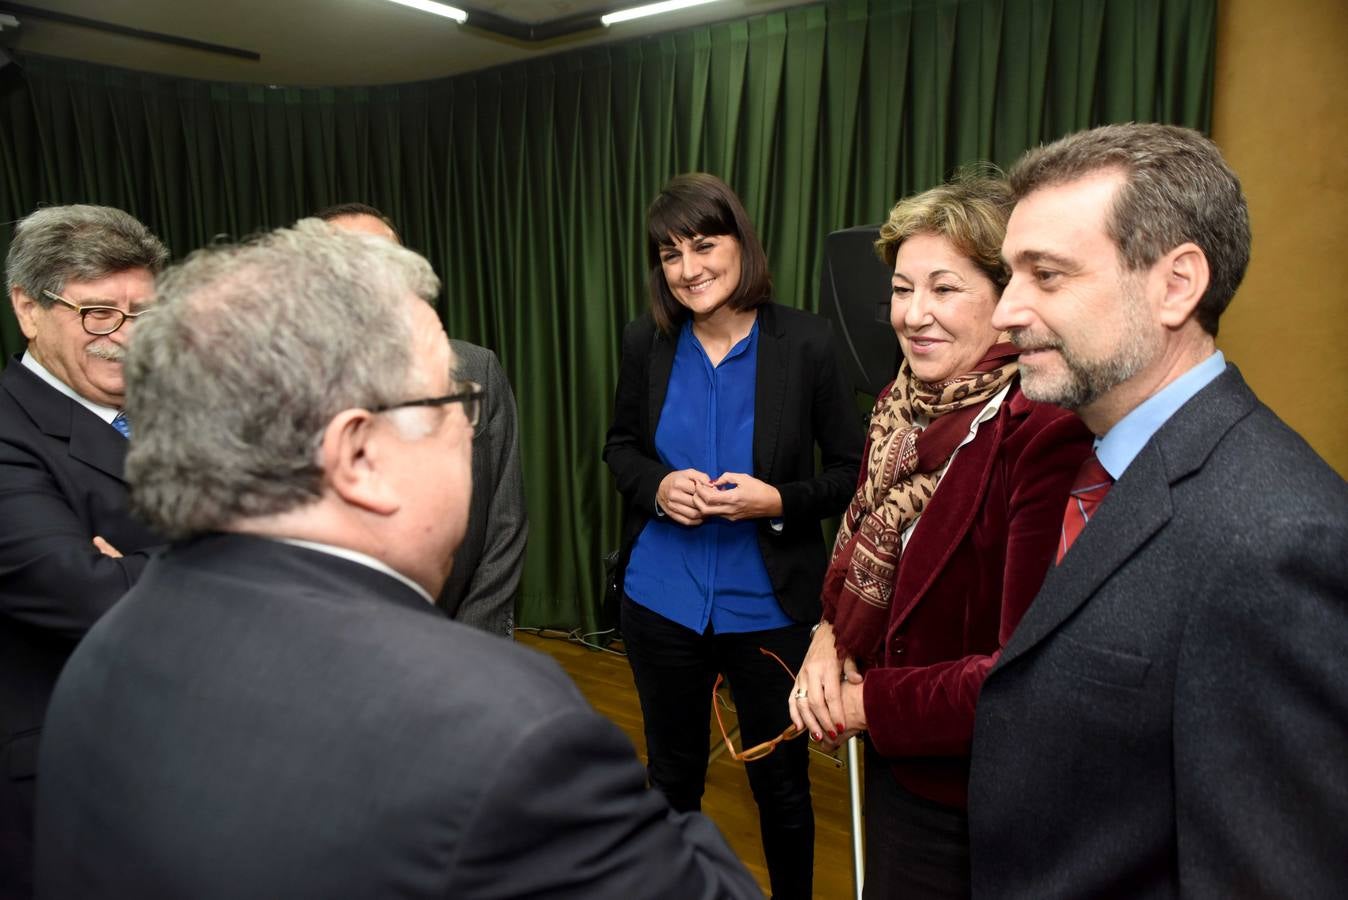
(758, 751)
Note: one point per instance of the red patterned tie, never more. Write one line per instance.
(1088, 492)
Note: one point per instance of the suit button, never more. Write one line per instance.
(897, 646)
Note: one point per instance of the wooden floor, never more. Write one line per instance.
(606, 681)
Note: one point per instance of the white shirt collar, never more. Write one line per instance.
(106, 413)
(356, 556)
(989, 411)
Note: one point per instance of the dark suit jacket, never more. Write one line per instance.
(802, 398)
(487, 566)
(973, 564)
(60, 484)
(1171, 716)
(256, 719)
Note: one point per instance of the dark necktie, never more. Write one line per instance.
(1088, 492)
(122, 424)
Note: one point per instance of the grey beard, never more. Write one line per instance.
(1086, 381)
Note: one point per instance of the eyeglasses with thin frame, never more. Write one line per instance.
(98, 319)
(470, 397)
(758, 751)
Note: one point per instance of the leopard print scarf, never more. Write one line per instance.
(904, 462)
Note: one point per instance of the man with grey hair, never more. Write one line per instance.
(481, 589)
(78, 278)
(1171, 715)
(292, 716)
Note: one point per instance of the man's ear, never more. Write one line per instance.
(25, 310)
(1186, 276)
(352, 457)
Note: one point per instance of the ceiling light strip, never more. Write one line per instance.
(439, 9)
(651, 9)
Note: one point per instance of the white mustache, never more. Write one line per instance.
(110, 352)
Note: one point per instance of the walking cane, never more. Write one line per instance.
(854, 794)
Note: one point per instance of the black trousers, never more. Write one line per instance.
(915, 847)
(17, 795)
(674, 668)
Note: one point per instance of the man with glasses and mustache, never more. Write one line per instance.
(78, 277)
(278, 708)
(1170, 717)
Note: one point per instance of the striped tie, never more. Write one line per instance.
(1088, 492)
(122, 424)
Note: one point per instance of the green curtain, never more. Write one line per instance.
(526, 185)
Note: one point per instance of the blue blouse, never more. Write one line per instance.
(712, 573)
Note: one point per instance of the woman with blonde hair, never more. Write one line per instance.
(944, 544)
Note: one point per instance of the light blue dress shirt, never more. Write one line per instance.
(1122, 443)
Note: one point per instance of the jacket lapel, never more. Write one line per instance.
(96, 443)
(769, 390)
(661, 366)
(92, 441)
(1137, 507)
(948, 517)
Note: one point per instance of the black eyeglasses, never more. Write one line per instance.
(98, 319)
(470, 397)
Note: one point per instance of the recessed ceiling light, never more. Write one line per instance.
(652, 9)
(439, 9)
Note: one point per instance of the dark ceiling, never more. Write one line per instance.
(330, 42)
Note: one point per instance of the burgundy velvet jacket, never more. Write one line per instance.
(973, 563)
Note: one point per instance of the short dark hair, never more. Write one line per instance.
(337, 210)
(1177, 188)
(698, 204)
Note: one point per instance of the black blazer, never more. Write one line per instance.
(60, 485)
(256, 719)
(802, 398)
(1171, 716)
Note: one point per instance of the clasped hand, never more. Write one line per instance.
(689, 496)
(832, 709)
